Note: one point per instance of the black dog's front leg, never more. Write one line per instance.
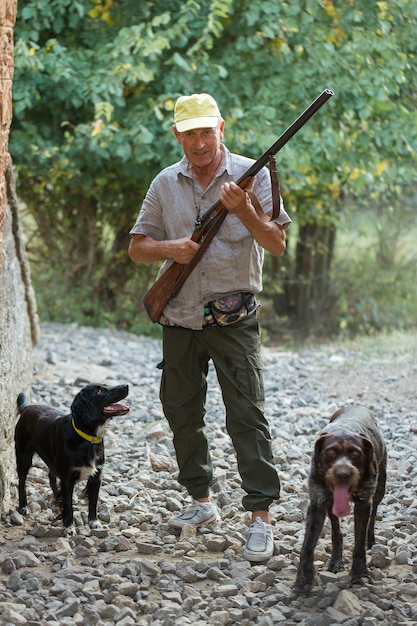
(67, 490)
(52, 482)
(362, 517)
(305, 575)
(24, 455)
(23, 502)
(92, 490)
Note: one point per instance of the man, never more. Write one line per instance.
(220, 290)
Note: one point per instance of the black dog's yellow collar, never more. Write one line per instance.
(90, 438)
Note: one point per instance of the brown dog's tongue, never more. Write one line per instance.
(341, 506)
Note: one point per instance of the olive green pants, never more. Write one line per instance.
(235, 352)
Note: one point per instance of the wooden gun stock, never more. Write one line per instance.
(158, 296)
(170, 282)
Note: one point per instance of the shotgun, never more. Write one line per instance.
(170, 282)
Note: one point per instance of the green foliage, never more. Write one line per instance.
(374, 273)
(83, 305)
(94, 90)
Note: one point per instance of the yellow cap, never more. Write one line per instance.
(199, 110)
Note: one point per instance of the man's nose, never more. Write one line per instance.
(199, 141)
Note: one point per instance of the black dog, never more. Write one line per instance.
(349, 462)
(71, 445)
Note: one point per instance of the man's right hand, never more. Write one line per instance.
(147, 250)
(183, 250)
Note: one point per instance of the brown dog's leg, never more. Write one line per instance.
(362, 518)
(379, 494)
(336, 559)
(371, 527)
(305, 576)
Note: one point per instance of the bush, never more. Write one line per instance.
(374, 274)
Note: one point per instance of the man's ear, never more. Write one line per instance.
(177, 134)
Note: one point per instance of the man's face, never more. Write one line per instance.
(200, 145)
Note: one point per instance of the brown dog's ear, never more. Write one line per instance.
(318, 447)
(370, 458)
(336, 414)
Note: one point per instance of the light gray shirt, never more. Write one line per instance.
(233, 260)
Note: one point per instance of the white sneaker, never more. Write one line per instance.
(260, 543)
(198, 514)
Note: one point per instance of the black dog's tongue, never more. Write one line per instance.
(117, 409)
(341, 504)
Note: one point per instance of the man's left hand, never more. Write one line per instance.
(235, 199)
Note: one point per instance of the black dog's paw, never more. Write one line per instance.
(94, 523)
(69, 531)
(24, 510)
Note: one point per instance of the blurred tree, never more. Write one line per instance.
(95, 86)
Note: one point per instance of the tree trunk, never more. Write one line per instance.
(306, 299)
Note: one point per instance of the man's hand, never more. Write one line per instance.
(144, 249)
(235, 199)
(268, 234)
(183, 250)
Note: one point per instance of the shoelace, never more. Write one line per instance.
(259, 523)
(196, 506)
(259, 526)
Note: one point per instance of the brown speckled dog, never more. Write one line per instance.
(349, 463)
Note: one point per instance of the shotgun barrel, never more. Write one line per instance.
(170, 282)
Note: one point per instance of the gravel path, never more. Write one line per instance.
(135, 571)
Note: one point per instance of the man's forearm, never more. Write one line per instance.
(269, 235)
(144, 249)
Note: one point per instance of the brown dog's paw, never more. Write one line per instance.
(360, 575)
(336, 566)
(303, 583)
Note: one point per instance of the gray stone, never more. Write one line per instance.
(347, 603)
(7, 565)
(163, 576)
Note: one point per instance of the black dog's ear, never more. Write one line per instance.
(370, 458)
(82, 402)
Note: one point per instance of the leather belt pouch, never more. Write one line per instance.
(233, 307)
